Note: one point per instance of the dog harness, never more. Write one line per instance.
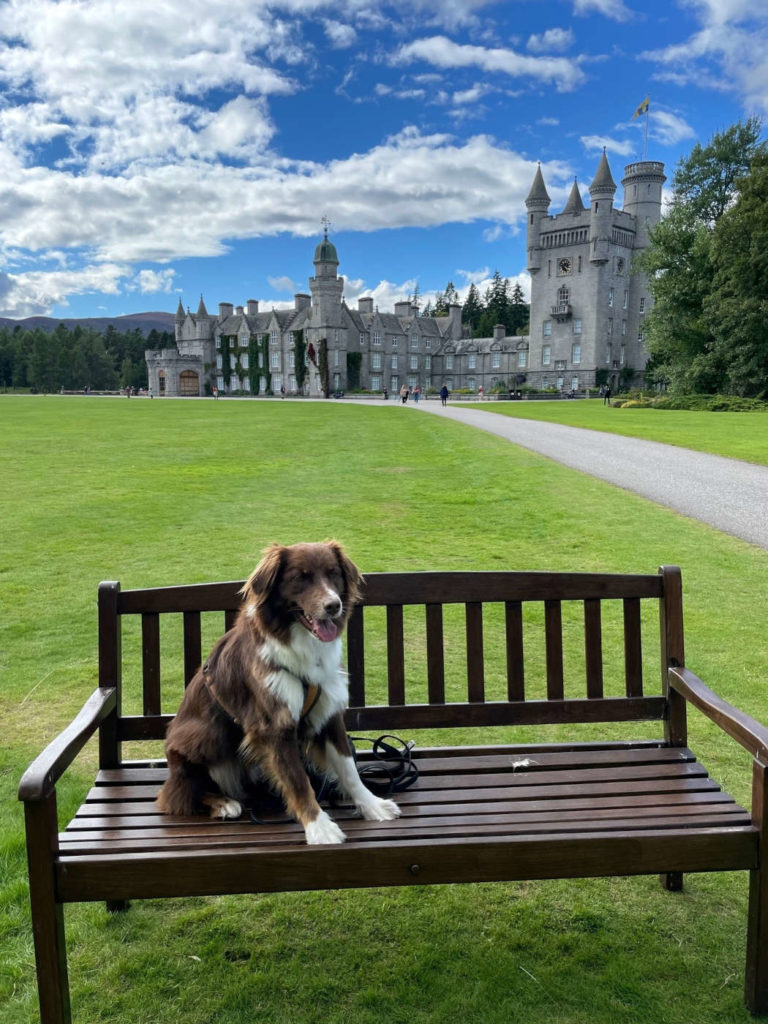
(311, 697)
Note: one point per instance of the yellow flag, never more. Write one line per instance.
(642, 109)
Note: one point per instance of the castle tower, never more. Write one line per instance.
(326, 286)
(642, 196)
(178, 320)
(537, 205)
(602, 190)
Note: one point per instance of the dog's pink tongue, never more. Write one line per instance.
(326, 630)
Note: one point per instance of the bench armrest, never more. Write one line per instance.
(745, 730)
(40, 778)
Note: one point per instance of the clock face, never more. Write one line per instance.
(564, 265)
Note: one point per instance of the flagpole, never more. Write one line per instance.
(645, 147)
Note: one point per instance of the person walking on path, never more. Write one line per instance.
(443, 395)
(607, 396)
(404, 393)
(416, 394)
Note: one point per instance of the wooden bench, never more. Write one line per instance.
(429, 651)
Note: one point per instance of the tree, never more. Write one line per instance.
(737, 305)
(300, 353)
(680, 260)
(473, 309)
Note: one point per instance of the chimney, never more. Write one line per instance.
(454, 311)
(499, 332)
(239, 310)
(252, 307)
(301, 300)
(414, 309)
(226, 309)
(403, 308)
(365, 305)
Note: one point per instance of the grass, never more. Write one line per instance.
(736, 435)
(170, 492)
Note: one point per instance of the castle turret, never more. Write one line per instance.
(575, 204)
(178, 320)
(326, 286)
(642, 196)
(602, 190)
(537, 205)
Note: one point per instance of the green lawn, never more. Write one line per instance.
(173, 492)
(738, 435)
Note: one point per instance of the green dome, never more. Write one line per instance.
(326, 252)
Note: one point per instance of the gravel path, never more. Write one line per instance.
(728, 494)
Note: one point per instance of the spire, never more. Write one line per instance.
(538, 196)
(603, 181)
(201, 310)
(574, 204)
(180, 314)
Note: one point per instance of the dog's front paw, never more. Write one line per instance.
(323, 830)
(376, 809)
(223, 807)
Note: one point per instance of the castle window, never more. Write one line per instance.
(549, 268)
(218, 361)
(626, 299)
(376, 383)
(394, 342)
(610, 327)
(642, 305)
(610, 296)
(427, 362)
(577, 325)
(623, 354)
(472, 383)
(521, 359)
(414, 341)
(563, 296)
(273, 338)
(449, 362)
(414, 362)
(623, 326)
(547, 328)
(244, 360)
(274, 361)
(292, 360)
(394, 361)
(362, 339)
(376, 361)
(579, 264)
(335, 357)
(413, 380)
(292, 383)
(218, 342)
(546, 355)
(472, 361)
(496, 360)
(394, 383)
(376, 337)
(608, 352)
(428, 344)
(576, 354)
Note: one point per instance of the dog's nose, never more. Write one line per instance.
(332, 606)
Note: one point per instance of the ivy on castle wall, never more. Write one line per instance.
(225, 370)
(266, 371)
(300, 351)
(254, 373)
(354, 362)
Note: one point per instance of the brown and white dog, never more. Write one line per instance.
(271, 698)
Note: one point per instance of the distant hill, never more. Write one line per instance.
(144, 322)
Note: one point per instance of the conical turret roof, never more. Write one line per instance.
(575, 203)
(603, 181)
(201, 310)
(180, 314)
(538, 193)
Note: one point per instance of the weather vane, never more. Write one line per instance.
(326, 224)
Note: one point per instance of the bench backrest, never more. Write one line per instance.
(443, 649)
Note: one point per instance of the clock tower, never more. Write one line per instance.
(587, 304)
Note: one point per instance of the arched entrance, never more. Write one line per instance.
(189, 384)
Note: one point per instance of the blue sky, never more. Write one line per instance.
(157, 149)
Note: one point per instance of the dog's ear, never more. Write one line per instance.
(263, 580)
(353, 580)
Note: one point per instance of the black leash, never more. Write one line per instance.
(390, 769)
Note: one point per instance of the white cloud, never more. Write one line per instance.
(149, 281)
(340, 35)
(34, 293)
(554, 39)
(622, 147)
(283, 284)
(440, 51)
(616, 10)
(668, 128)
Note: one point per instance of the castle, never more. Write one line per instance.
(587, 309)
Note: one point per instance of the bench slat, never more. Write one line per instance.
(356, 657)
(435, 654)
(553, 629)
(513, 614)
(395, 655)
(192, 646)
(475, 669)
(150, 660)
(593, 648)
(633, 652)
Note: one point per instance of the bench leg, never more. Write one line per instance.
(756, 981)
(672, 881)
(47, 915)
